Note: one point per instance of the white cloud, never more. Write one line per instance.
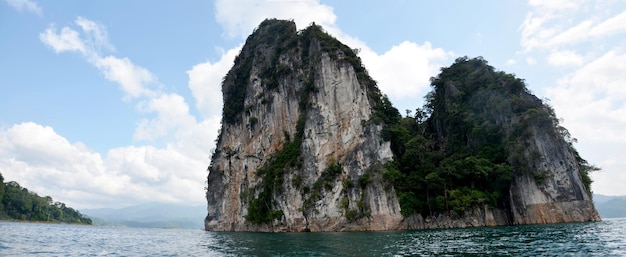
(565, 58)
(533, 30)
(531, 61)
(94, 40)
(45, 162)
(41, 145)
(587, 38)
(172, 115)
(239, 18)
(97, 34)
(25, 5)
(66, 40)
(592, 101)
(205, 82)
(574, 34)
(610, 26)
(510, 62)
(404, 71)
(555, 4)
(132, 79)
(553, 27)
(609, 181)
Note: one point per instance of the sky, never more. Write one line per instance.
(116, 103)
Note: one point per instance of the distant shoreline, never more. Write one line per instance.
(43, 222)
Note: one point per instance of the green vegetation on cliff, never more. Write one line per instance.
(464, 147)
(17, 203)
(272, 40)
(461, 150)
(274, 34)
(280, 37)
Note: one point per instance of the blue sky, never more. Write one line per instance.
(113, 103)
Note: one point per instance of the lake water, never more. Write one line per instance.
(605, 238)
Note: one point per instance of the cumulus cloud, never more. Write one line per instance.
(565, 58)
(36, 156)
(66, 40)
(25, 5)
(47, 163)
(133, 79)
(173, 115)
(205, 80)
(404, 71)
(239, 18)
(591, 99)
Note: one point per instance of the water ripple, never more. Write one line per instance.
(575, 239)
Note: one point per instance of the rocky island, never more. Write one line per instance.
(309, 143)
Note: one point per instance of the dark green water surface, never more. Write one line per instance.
(605, 238)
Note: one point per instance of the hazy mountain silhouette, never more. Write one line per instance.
(610, 206)
(157, 215)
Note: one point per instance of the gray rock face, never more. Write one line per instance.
(336, 131)
(561, 196)
(295, 92)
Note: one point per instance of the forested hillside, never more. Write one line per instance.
(464, 147)
(17, 203)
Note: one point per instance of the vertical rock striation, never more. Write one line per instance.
(477, 110)
(301, 148)
(302, 119)
(559, 195)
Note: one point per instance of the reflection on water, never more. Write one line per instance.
(575, 239)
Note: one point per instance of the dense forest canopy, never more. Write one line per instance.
(17, 203)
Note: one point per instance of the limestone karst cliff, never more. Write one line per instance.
(489, 142)
(308, 142)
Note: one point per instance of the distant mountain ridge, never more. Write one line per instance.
(610, 206)
(150, 215)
